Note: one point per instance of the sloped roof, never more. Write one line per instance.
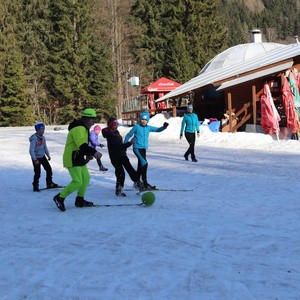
(161, 85)
(276, 69)
(239, 69)
(238, 54)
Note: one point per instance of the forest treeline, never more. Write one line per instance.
(58, 57)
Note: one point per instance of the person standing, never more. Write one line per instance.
(94, 142)
(140, 133)
(190, 126)
(40, 155)
(77, 154)
(118, 156)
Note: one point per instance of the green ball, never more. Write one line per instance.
(148, 198)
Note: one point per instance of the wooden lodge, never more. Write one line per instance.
(230, 86)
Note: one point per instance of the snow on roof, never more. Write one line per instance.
(238, 54)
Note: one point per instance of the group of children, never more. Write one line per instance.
(80, 148)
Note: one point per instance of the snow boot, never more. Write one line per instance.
(102, 168)
(59, 202)
(138, 186)
(186, 157)
(119, 192)
(52, 185)
(80, 202)
(147, 186)
(35, 187)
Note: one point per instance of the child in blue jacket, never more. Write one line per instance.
(141, 133)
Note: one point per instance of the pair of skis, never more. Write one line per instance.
(123, 204)
(160, 190)
(142, 204)
(130, 189)
(58, 187)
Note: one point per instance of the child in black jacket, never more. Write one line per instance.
(118, 156)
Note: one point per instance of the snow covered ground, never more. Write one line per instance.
(234, 236)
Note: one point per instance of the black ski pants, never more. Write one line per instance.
(37, 171)
(191, 139)
(120, 164)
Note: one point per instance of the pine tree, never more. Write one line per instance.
(14, 109)
(100, 81)
(179, 37)
(34, 34)
(65, 78)
(204, 31)
(177, 64)
(72, 70)
(149, 46)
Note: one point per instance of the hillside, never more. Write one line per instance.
(278, 20)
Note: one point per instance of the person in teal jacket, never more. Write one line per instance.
(140, 133)
(190, 126)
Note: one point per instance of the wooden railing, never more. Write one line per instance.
(242, 116)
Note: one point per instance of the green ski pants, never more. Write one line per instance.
(80, 181)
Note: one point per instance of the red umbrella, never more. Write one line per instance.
(269, 114)
(289, 107)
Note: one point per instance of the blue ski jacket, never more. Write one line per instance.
(141, 135)
(190, 123)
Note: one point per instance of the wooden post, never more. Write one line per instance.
(229, 111)
(254, 104)
(174, 111)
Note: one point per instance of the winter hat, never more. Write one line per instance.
(97, 127)
(145, 116)
(189, 107)
(112, 122)
(39, 126)
(89, 113)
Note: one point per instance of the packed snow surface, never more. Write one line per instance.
(233, 235)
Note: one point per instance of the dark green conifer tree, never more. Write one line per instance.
(180, 36)
(71, 57)
(204, 31)
(34, 34)
(100, 81)
(65, 78)
(149, 46)
(14, 109)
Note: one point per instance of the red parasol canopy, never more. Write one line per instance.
(162, 85)
(269, 113)
(289, 107)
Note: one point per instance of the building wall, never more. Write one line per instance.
(210, 107)
(207, 107)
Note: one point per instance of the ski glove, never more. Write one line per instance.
(133, 141)
(166, 124)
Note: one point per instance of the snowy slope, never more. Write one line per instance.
(235, 236)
